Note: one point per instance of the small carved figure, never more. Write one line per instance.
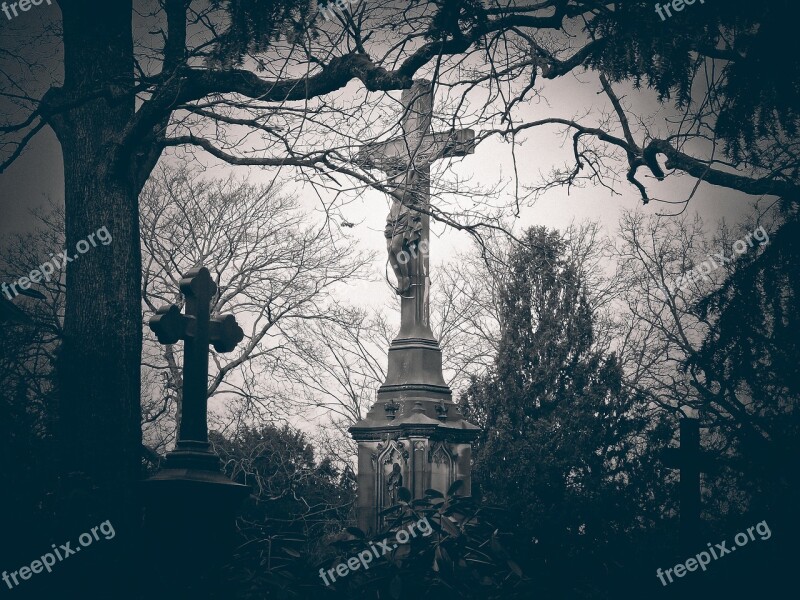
(394, 482)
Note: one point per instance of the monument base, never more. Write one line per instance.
(414, 435)
(190, 531)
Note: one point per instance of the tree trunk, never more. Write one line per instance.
(99, 363)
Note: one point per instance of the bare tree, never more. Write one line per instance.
(665, 326)
(332, 371)
(274, 266)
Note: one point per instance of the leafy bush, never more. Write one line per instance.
(462, 557)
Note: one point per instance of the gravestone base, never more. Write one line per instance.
(189, 531)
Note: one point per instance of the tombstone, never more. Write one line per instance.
(414, 435)
(190, 504)
(690, 461)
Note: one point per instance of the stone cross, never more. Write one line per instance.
(690, 460)
(407, 162)
(414, 414)
(197, 328)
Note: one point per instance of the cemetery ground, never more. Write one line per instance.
(412, 299)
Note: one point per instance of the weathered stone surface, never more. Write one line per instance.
(414, 432)
(198, 329)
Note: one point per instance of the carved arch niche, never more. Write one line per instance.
(442, 462)
(389, 454)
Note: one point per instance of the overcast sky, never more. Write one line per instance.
(37, 176)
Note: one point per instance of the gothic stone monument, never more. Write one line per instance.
(414, 435)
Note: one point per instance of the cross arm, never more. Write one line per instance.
(225, 333)
(396, 154)
(170, 325)
(460, 142)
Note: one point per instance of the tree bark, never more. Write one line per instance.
(99, 362)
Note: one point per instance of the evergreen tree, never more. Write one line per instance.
(558, 446)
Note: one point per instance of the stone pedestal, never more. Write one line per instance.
(189, 531)
(190, 506)
(415, 425)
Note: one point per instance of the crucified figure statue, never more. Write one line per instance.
(404, 231)
(407, 161)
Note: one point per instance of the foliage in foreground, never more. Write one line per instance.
(295, 504)
(457, 554)
(462, 557)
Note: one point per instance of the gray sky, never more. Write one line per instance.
(37, 176)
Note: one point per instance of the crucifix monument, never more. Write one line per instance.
(407, 161)
(414, 433)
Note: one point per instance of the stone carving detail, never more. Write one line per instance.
(390, 462)
(441, 410)
(442, 463)
(404, 231)
(394, 482)
(391, 409)
(440, 454)
(390, 452)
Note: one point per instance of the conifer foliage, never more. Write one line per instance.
(558, 426)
